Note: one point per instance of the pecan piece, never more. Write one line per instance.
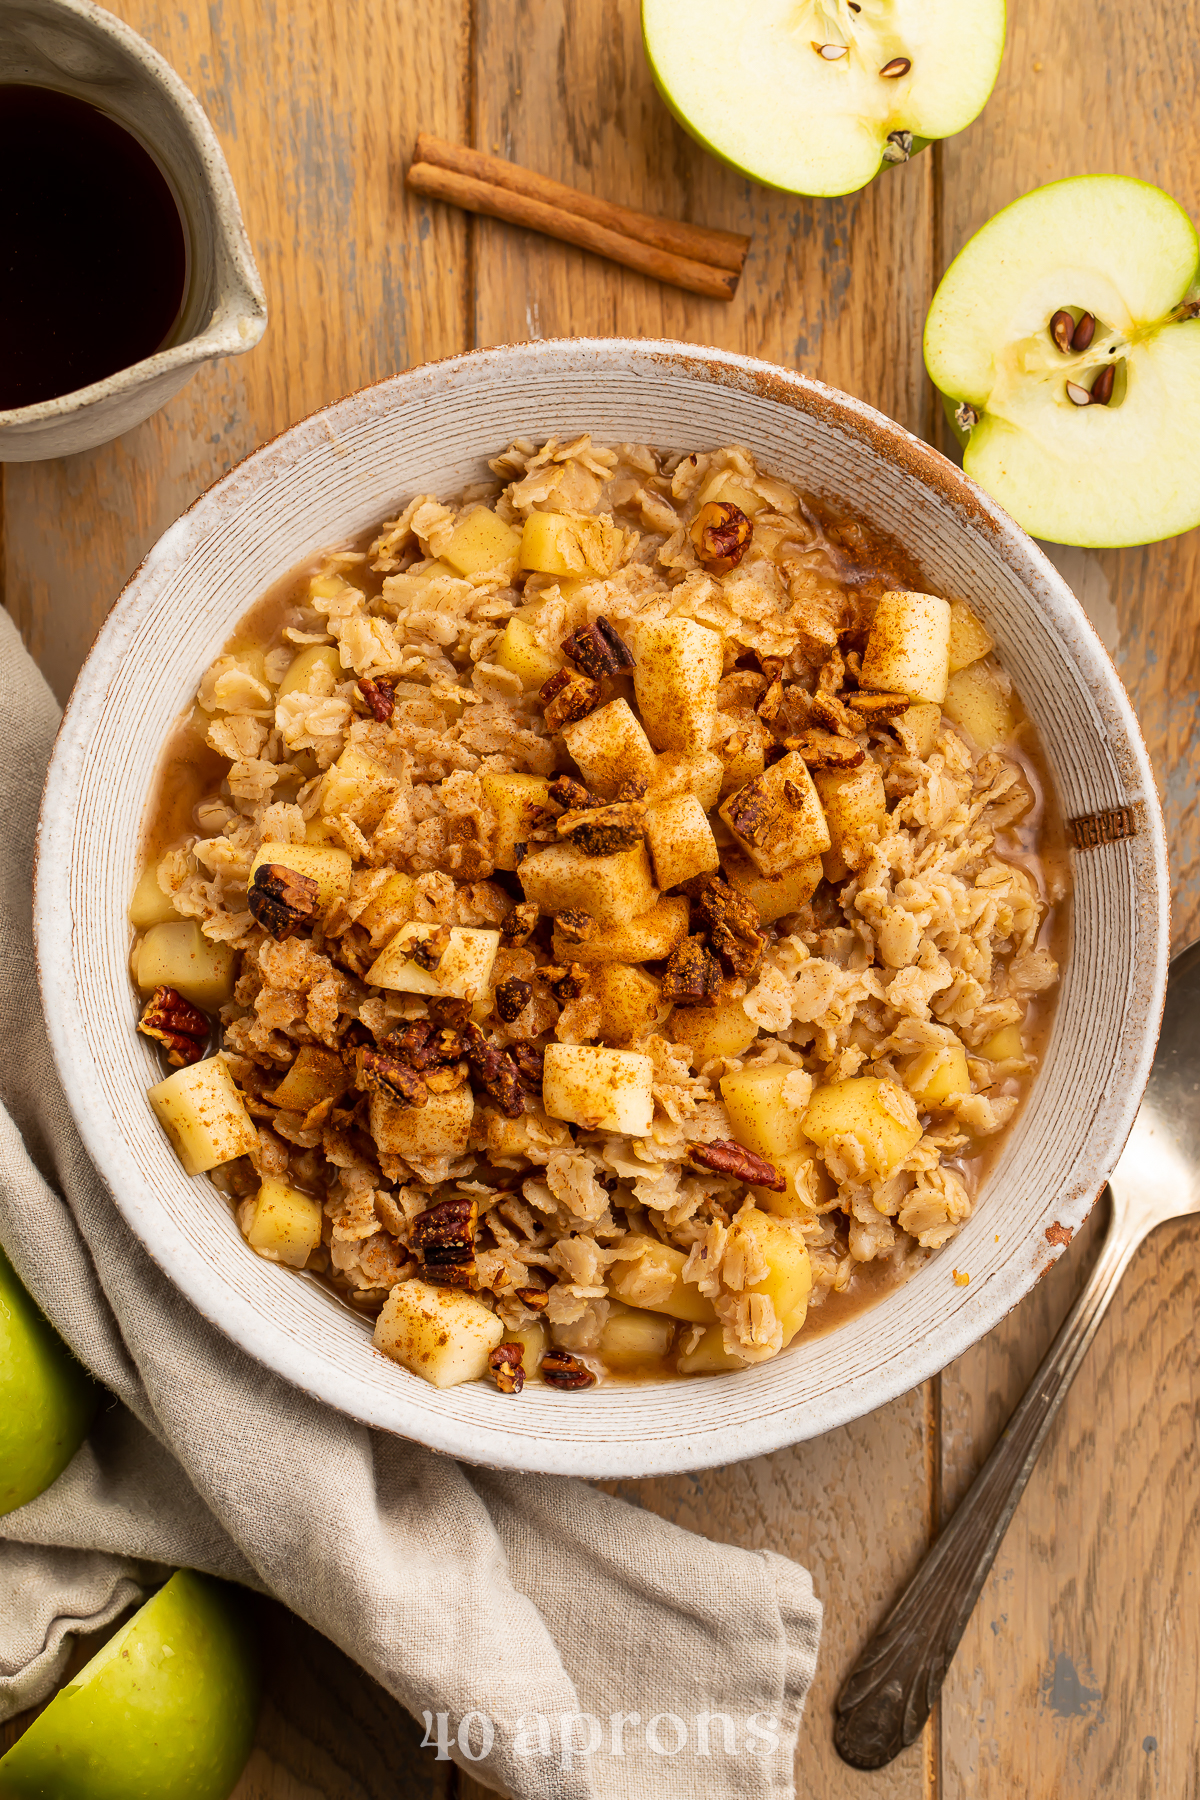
(379, 695)
(728, 1158)
(568, 697)
(383, 1072)
(564, 984)
(448, 1012)
(529, 1062)
(823, 750)
(834, 714)
(732, 923)
(871, 707)
(720, 535)
(598, 650)
(692, 976)
(768, 707)
(751, 810)
(428, 952)
(280, 899)
(519, 925)
(573, 926)
(505, 1363)
(603, 830)
(512, 997)
(180, 1027)
(534, 1298)
(632, 789)
(494, 1070)
(444, 1240)
(568, 792)
(562, 1370)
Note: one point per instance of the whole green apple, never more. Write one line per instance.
(47, 1399)
(165, 1711)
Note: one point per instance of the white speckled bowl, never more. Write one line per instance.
(431, 430)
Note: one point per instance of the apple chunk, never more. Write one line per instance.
(440, 1334)
(1063, 339)
(676, 672)
(602, 1090)
(464, 968)
(777, 818)
(613, 889)
(204, 1115)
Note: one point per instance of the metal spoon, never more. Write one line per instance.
(892, 1688)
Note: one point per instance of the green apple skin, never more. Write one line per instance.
(165, 1711)
(47, 1399)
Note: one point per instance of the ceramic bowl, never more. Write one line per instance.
(431, 430)
(81, 49)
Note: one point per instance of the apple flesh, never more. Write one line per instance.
(1066, 343)
(166, 1710)
(47, 1399)
(818, 97)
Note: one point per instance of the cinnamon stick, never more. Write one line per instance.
(696, 243)
(572, 218)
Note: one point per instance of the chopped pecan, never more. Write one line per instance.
(280, 899)
(598, 650)
(732, 923)
(772, 700)
(529, 1061)
(574, 926)
(603, 830)
(379, 695)
(751, 810)
(505, 1363)
(562, 1370)
(632, 789)
(720, 535)
(872, 707)
(448, 1012)
(793, 796)
(383, 1072)
(494, 1070)
(564, 984)
(534, 1298)
(692, 976)
(824, 750)
(519, 925)
(728, 1158)
(832, 712)
(180, 1027)
(425, 1044)
(567, 697)
(832, 673)
(444, 1240)
(512, 997)
(428, 952)
(566, 791)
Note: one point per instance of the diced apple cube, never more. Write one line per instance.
(391, 907)
(681, 841)
(285, 1225)
(602, 1090)
(708, 1356)
(441, 1334)
(874, 1111)
(569, 544)
(204, 1116)
(317, 669)
(934, 1077)
(359, 785)
(630, 1001)
(855, 806)
(650, 938)
(523, 656)
(610, 747)
(517, 801)
(977, 701)
(677, 669)
(774, 896)
(777, 820)
(464, 969)
(613, 889)
(649, 1274)
(481, 542)
(422, 1134)
(150, 906)
(788, 1282)
(315, 1075)
(808, 1185)
(1004, 1046)
(969, 640)
(328, 865)
(724, 1030)
(177, 955)
(917, 728)
(633, 1339)
(761, 1117)
(701, 775)
(908, 646)
(741, 740)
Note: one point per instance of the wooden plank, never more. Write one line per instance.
(1078, 1673)
(316, 108)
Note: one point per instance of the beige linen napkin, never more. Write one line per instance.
(539, 1605)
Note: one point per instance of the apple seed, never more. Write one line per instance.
(1079, 395)
(1102, 387)
(1062, 326)
(899, 65)
(1084, 332)
(831, 52)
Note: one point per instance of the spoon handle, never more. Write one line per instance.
(892, 1687)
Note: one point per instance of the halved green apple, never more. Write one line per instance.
(164, 1711)
(1066, 338)
(47, 1399)
(817, 96)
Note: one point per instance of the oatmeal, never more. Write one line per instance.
(602, 924)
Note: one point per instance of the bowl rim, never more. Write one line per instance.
(193, 1277)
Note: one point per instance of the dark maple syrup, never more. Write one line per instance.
(93, 252)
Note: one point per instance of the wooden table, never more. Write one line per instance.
(1078, 1675)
